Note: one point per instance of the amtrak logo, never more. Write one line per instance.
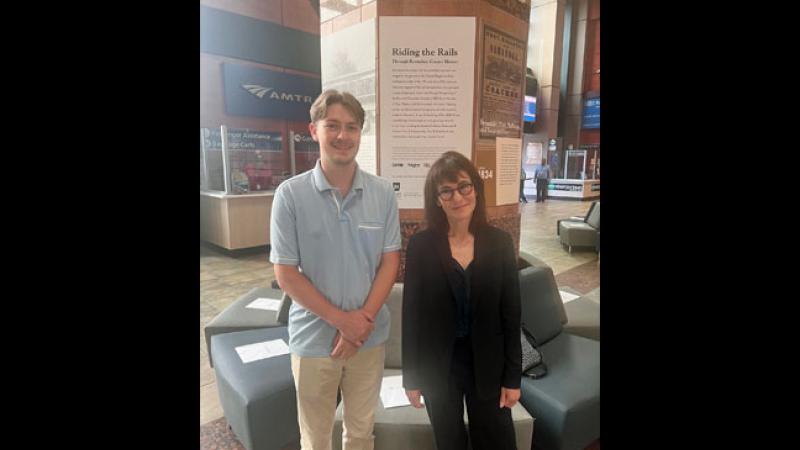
(270, 93)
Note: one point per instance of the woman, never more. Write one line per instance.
(461, 314)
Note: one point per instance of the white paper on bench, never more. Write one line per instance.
(267, 304)
(567, 297)
(392, 392)
(262, 350)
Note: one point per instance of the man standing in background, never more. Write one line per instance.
(542, 176)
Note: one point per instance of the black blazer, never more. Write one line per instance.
(429, 313)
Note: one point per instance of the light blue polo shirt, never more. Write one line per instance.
(338, 244)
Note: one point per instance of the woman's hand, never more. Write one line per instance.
(509, 397)
(413, 396)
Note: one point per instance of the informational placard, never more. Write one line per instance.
(502, 92)
(427, 78)
(348, 64)
(508, 159)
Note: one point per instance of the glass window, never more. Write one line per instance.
(255, 160)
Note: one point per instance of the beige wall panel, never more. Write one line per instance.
(249, 221)
(214, 221)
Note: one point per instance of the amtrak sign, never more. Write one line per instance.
(255, 92)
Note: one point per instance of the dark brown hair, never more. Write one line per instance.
(319, 109)
(447, 168)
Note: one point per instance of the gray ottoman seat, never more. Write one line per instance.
(238, 317)
(258, 398)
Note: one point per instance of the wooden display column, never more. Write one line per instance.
(446, 75)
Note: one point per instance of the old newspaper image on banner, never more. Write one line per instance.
(502, 91)
(519, 8)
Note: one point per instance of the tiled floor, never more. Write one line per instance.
(224, 277)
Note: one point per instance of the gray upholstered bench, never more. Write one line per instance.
(238, 317)
(581, 234)
(408, 428)
(577, 234)
(566, 402)
(258, 398)
(539, 281)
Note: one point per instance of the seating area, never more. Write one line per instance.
(258, 398)
(578, 231)
(566, 402)
(406, 427)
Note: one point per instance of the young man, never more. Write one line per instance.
(335, 237)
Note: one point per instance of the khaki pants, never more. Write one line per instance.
(317, 381)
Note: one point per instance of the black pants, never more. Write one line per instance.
(541, 190)
(522, 191)
(490, 427)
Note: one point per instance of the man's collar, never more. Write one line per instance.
(322, 183)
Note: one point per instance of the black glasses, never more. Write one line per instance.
(464, 189)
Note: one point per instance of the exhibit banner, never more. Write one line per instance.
(519, 8)
(502, 90)
(426, 90)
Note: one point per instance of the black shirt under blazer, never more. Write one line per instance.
(429, 313)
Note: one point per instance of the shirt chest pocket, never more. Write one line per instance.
(370, 235)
